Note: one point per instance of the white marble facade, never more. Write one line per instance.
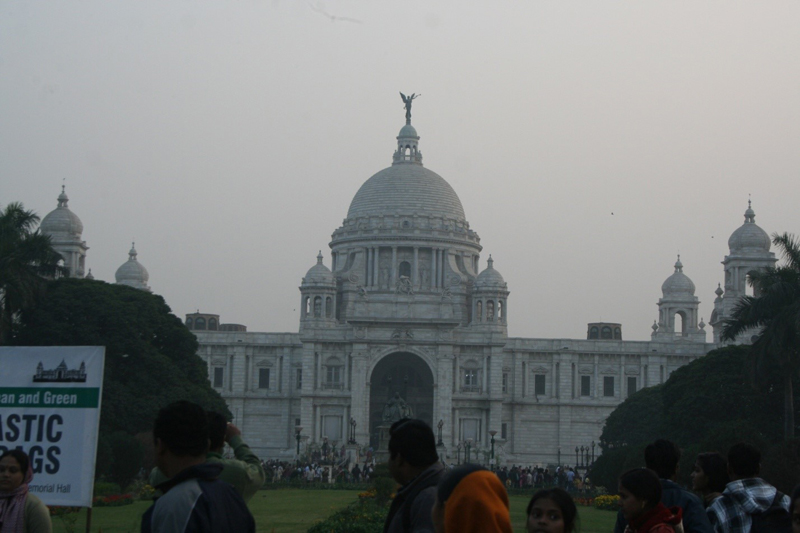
(404, 309)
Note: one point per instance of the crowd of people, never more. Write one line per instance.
(199, 490)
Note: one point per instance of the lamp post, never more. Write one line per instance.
(440, 425)
(587, 457)
(492, 432)
(582, 456)
(469, 445)
(297, 430)
(458, 453)
(576, 456)
(352, 431)
(559, 456)
(592, 453)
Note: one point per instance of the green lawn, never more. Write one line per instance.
(294, 511)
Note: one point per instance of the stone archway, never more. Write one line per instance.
(407, 374)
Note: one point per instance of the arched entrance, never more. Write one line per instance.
(406, 374)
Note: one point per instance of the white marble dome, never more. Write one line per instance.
(490, 278)
(749, 237)
(61, 220)
(678, 284)
(132, 273)
(319, 274)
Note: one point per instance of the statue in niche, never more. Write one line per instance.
(396, 409)
(479, 311)
(362, 292)
(384, 275)
(424, 274)
(490, 310)
(317, 307)
(404, 286)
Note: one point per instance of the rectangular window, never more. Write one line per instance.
(539, 384)
(332, 427)
(471, 379)
(299, 380)
(505, 381)
(631, 385)
(504, 431)
(586, 385)
(219, 373)
(263, 378)
(608, 386)
(333, 377)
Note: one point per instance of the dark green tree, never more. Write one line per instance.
(635, 420)
(151, 357)
(775, 312)
(27, 258)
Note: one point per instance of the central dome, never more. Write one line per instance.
(406, 189)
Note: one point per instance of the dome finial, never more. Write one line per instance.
(749, 215)
(132, 254)
(490, 262)
(678, 264)
(319, 258)
(63, 198)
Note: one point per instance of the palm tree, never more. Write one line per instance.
(27, 258)
(775, 311)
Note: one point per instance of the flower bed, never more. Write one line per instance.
(607, 502)
(114, 500)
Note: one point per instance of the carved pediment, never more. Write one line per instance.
(539, 370)
(608, 370)
(263, 363)
(218, 361)
(632, 371)
(585, 370)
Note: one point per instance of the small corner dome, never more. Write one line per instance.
(490, 277)
(319, 274)
(132, 272)
(749, 237)
(61, 220)
(678, 284)
(408, 131)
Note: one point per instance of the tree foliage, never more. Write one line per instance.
(635, 420)
(151, 357)
(27, 258)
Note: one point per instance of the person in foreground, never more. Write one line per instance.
(709, 476)
(662, 457)
(551, 511)
(469, 499)
(749, 503)
(794, 509)
(194, 499)
(640, 502)
(20, 511)
(414, 463)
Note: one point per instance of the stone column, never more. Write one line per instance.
(596, 391)
(443, 396)
(393, 278)
(359, 397)
(415, 269)
(435, 273)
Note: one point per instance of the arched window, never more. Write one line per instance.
(479, 311)
(489, 311)
(594, 333)
(200, 323)
(680, 324)
(500, 310)
(212, 324)
(405, 269)
(318, 306)
(617, 334)
(605, 333)
(328, 306)
(189, 322)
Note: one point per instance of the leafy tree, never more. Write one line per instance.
(27, 257)
(151, 358)
(635, 420)
(776, 312)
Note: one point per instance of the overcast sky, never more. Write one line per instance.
(228, 139)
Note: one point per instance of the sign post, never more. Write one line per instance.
(50, 409)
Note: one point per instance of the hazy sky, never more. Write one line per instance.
(228, 139)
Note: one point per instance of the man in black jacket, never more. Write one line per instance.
(663, 457)
(414, 463)
(194, 499)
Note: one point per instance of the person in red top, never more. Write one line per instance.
(640, 502)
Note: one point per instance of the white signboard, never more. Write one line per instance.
(50, 409)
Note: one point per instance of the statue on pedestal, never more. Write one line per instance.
(396, 409)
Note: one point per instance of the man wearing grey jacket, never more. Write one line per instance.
(414, 463)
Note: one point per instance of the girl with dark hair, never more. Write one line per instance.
(709, 476)
(551, 511)
(640, 501)
(20, 511)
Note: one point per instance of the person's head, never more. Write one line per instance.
(15, 469)
(551, 511)
(744, 461)
(794, 509)
(662, 457)
(412, 449)
(710, 473)
(639, 492)
(470, 498)
(217, 424)
(180, 433)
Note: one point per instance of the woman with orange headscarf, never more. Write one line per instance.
(471, 498)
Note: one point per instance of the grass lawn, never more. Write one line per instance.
(294, 511)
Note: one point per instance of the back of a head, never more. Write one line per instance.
(662, 457)
(642, 483)
(217, 424)
(183, 428)
(715, 469)
(413, 439)
(474, 500)
(744, 460)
